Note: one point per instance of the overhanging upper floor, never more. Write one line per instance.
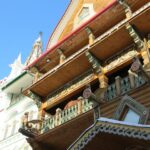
(103, 47)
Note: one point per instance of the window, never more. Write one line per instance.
(129, 110)
(83, 14)
(131, 116)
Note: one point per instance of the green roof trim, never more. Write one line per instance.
(15, 79)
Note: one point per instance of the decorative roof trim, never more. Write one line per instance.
(129, 102)
(110, 126)
(14, 80)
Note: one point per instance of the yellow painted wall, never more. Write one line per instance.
(97, 5)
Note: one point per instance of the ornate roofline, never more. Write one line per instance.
(114, 127)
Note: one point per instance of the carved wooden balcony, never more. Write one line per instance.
(63, 116)
(120, 87)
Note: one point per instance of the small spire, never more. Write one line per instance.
(36, 50)
(39, 39)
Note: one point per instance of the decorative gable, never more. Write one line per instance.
(77, 13)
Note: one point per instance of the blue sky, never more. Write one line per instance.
(20, 23)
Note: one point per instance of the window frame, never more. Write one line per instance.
(91, 13)
(130, 103)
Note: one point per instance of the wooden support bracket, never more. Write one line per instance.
(135, 36)
(90, 35)
(61, 55)
(127, 8)
(94, 62)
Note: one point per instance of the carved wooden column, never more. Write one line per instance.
(118, 84)
(79, 104)
(132, 79)
(145, 53)
(103, 80)
(90, 35)
(58, 117)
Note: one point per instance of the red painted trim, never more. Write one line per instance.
(72, 33)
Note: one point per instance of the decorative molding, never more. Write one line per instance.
(135, 106)
(94, 62)
(112, 128)
(120, 58)
(70, 86)
(135, 35)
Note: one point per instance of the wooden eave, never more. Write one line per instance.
(83, 124)
(71, 129)
(100, 24)
(105, 46)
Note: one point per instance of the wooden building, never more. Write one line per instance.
(92, 83)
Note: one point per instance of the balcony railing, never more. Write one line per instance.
(63, 116)
(120, 87)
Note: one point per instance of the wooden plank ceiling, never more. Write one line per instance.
(100, 25)
(103, 49)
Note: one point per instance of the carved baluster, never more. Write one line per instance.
(75, 110)
(132, 79)
(63, 117)
(80, 105)
(83, 105)
(71, 112)
(145, 52)
(58, 116)
(103, 80)
(118, 85)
